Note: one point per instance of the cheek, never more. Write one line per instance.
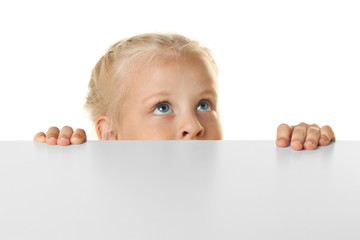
(207, 118)
(132, 125)
(159, 127)
(211, 122)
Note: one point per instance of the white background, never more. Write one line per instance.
(280, 61)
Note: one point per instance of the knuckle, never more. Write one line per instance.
(53, 131)
(283, 126)
(75, 136)
(313, 131)
(313, 128)
(298, 134)
(78, 136)
(39, 137)
(326, 128)
(300, 128)
(325, 137)
(67, 128)
(79, 130)
(314, 125)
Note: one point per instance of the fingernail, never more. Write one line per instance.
(322, 141)
(282, 142)
(296, 145)
(310, 143)
(74, 139)
(63, 141)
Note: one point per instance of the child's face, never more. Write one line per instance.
(172, 100)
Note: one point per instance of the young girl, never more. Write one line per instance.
(163, 86)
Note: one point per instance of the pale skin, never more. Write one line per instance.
(177, 100)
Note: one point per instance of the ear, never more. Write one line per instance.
(103, 130)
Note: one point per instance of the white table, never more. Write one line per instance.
(179, 190)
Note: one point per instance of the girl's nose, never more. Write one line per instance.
(191, 128)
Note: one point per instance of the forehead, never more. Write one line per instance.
(170, 71)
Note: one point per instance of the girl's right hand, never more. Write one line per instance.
(63, 138)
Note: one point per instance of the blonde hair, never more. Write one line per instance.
(107, 86)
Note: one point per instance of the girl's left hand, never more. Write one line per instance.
(304, 136)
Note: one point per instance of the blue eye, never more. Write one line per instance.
(203, 106)
(163, 108)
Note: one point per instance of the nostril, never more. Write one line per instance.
(185, 133)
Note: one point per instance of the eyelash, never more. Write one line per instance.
(208, 101)
(204, 99)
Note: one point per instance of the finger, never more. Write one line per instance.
(283, 135)
(78, 137)
(52, 136)
(298, 137)
(40, 137)
(65, 135)
(302, 124)
(326, 135)
(312, 137)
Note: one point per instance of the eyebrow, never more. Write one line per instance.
(167, 94)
